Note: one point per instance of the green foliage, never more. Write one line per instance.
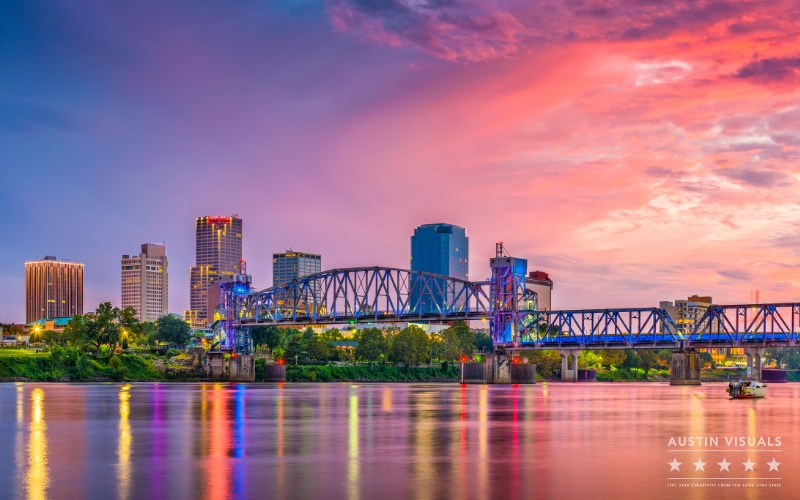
(548, 363)
(317, 349)
(649, 359)
(613, 357)
(172, 353)
(375, 373)
(707, 360)
(332, 335)
(172, 330)
(295, 348)
(483, 342)
(632, 375)
(589, 359)
(271, 336)
(411, 346)
(372, 345)
(632, 360)
(788, 357)
(664, 357)
(101, 329)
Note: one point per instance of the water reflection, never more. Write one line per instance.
(217, 464)
(342, 441)
(37, 478)
(124, 444)
(352, 447)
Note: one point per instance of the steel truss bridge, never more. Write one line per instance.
(386, 295)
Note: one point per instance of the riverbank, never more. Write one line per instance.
(66, 365)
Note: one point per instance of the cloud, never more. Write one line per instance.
(736, 274)
(755, 177)
(448, 29)
(661, 72)
(770, 69)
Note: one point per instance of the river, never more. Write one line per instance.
(385, 441)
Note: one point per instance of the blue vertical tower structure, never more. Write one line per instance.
(442, 249)
(509, 297)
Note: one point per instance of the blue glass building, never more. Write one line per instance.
(442, 249)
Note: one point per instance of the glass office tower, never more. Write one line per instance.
(291, 265)
(442, 249)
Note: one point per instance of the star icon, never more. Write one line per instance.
(699, 465)
(674, 465)
(724, 465)
(749, 465)
(773, 465)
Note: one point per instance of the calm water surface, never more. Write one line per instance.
(365, 441)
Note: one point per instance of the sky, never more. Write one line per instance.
(636, 151)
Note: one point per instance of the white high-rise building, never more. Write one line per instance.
(145, 282)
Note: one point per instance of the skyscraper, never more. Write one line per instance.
(53, 289)
(291, 265)
(145, 282)
(218, 250)
(442, 249)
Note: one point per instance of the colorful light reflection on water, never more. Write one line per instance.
(363, 441)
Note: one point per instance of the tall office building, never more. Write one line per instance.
(218, 244)
(441, 249)
(53, 289)
(145, 282)
(291, 265)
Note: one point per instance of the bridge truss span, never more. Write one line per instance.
(766, 325)
(367, 294)
(600, 329)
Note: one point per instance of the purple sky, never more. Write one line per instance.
(636, 151)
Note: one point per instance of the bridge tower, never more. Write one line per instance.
(507, 291)
(233, 337)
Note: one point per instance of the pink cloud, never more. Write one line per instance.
(465, 32)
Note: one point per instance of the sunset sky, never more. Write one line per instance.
(636, 151)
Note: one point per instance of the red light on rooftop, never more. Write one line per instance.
(219, 220)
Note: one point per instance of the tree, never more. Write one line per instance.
(664, 357)
(172, 330)
(778, 355)
(483, 342)
(52, 337)
(372, 345)
(548, 363)
(707, 359)
(649, 359)
(271, 336)
(632, 360)
(317, 349)
(613, 357)
(332, 335)
(295, 347)
(410, 346)
(95, 330)
(445, 345)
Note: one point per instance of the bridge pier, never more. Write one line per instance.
(754, 357)
(685, 369)
(569, 364)
(215, 365)
(242, 368)
(497, 369)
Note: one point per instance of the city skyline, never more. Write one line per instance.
(635, 155)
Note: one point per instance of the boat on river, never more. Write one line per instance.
(747, 390)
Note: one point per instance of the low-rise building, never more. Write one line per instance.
(540, 282)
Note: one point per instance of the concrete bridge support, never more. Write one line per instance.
(242, 368)
(685, 368)
(569, 364)
(754, 357)
(215, 365)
